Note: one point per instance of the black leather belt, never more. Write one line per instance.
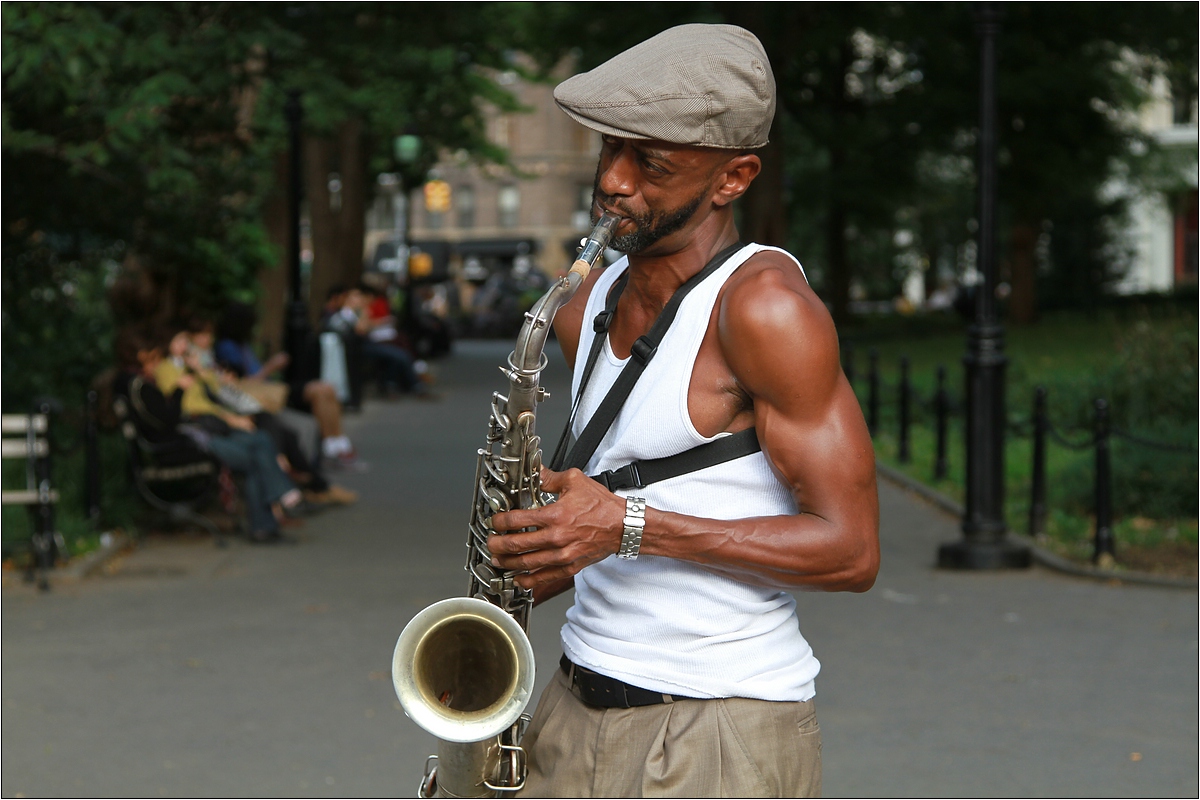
(605, 692)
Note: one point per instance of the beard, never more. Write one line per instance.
(652, 226)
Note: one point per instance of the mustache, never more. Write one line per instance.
(607, 203)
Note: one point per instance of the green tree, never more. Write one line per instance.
(126, 140)
(150, 135)
(1070, 82)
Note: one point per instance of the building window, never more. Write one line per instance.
(464, 206)
(509, 204)
(500, 131)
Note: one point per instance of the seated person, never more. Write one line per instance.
(393, 365)
(155, 415)
(268, 493)
(233, 352)
(317, 489)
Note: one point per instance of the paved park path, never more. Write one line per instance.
(184, 670)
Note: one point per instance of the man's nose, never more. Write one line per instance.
(616, 178)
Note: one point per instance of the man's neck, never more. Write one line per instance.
(653, 278)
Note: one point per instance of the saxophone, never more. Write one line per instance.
(463, 668)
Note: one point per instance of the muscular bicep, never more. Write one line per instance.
(782, 348)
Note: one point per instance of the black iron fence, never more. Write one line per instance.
(941, 405)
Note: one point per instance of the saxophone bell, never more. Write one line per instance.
(463, 669)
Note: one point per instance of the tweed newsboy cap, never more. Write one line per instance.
(707, 85)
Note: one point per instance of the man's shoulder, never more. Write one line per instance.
(767, 257)
(767, 307)
(769, 283)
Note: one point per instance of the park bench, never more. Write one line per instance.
(173, 479)
(25, 438)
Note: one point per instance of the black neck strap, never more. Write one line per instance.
(643, 350)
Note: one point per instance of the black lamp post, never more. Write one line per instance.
(407, 150)
(984, 545)
(296, 327)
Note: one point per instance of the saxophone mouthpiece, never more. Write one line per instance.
(594, 245)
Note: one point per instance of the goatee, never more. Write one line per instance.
(652, 226)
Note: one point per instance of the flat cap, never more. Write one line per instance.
(707, 85)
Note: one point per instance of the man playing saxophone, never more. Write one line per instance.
(685, 672)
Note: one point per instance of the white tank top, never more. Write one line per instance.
(660, 623)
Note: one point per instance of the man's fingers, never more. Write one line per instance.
(559, 482)
(553, 481)
(516, 520)
(509, 543)
(545, 576)
(527, 562)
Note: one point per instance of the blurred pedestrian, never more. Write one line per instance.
(229, 394)
(270, 496)
(393, 365)
(234, 352)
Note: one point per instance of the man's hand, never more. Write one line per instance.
(239, 422)
(584, 526)
(275, 363)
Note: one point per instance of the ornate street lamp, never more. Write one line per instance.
(984, 545)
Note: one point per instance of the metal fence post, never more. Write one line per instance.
(1037, 496)
(1104, 546)
(44, 543)
(942, 407)
(873, 391)
(905, 457)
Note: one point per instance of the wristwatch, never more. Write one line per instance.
(635, 523)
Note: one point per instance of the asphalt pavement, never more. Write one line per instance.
(184, 670)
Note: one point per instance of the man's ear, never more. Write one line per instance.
(735, 177)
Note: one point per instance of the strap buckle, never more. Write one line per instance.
(627, 477)
(643, 350)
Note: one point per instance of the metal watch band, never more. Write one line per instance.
(635, 523)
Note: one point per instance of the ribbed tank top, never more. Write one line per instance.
(661, 623)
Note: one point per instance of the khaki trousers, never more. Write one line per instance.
(733, 747)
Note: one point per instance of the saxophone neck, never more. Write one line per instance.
(527, 357)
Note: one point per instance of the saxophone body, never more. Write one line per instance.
(463, 668)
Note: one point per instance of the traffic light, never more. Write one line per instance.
(420, 265)
(437, 197)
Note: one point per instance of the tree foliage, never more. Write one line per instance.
(878, 116)
(148, 135)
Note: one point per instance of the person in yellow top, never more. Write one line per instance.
(222, 387)
(268, 493)
(199, 398)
